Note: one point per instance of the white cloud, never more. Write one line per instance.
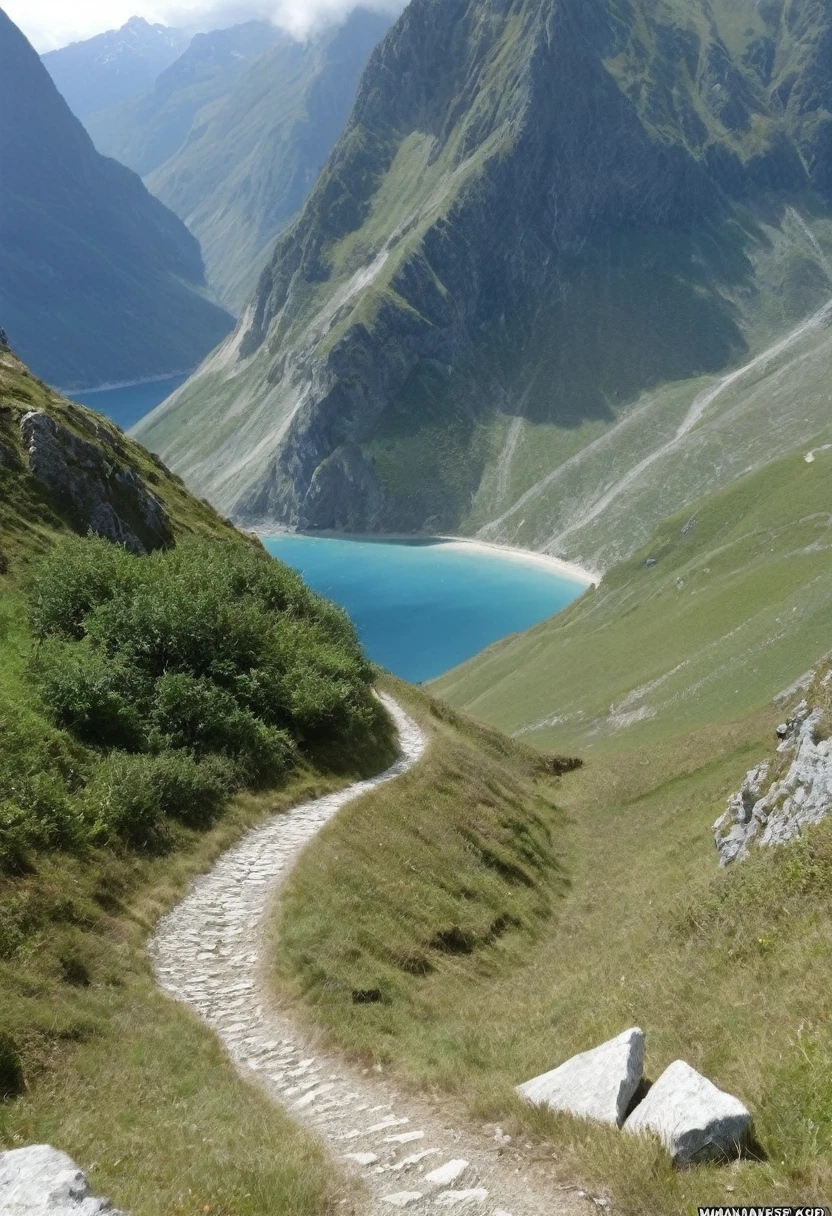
(53, 23)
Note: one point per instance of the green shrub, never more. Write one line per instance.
(97, 697)
(122, 803)
(191, 792)
(75, 577)
(195, 671)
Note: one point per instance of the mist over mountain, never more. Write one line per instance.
(146, 130)
(115, 65)
(541, 213)
(250, 160)
(99, 281)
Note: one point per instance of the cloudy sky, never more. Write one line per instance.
(53, 23)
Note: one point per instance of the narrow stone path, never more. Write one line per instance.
(208, 953)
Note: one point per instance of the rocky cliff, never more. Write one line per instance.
(541, 211)
(65, 468)
(782, 797)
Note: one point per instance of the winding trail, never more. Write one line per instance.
(209, 953)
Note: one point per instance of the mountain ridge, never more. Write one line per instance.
(114, 65)
(99, 282)
(391, 343)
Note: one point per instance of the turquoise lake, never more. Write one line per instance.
(421, 607)
(128, 404)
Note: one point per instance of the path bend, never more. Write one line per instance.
(208, 952)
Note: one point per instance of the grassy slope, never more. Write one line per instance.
(132, 1086)
(735, 609)
(727, 970)
(462, 856)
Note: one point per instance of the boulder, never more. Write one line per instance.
(42, 1181)
(597, 1084)
(694, 1120)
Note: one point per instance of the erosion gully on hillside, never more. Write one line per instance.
(208, 952)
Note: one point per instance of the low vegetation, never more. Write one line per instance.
(462, 857)
(627, 922)
(151, 710)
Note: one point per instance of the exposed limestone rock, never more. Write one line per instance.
(597, 1084)
(107, 497)
(694, 1120)
(777, 814)
(43, 1181)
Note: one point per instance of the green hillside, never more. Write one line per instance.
(662, 681)
(725, 606)
(158, 697)
(250, 160)
(99, 282)
(653, 176)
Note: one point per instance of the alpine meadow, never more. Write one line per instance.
(473, 311)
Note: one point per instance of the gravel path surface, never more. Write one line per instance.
(208, 953)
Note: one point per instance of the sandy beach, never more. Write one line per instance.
(530, 557)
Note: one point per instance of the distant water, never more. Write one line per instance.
(421, 607)
(127, 405)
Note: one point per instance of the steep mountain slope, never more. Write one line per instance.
(250, 162)
(98, 280)
(145, 130)
(543, 215)
(115, 65)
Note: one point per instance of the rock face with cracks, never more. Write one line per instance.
(43, 1181)
(597, 1084)
(105, 495)
(766, 812)
(694, 1120)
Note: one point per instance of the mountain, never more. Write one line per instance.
(233, 135)
(99, 281)
(549, 224)
(115, 65)
(143, 131)
(246, 170)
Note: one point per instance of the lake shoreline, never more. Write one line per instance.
(531, 557)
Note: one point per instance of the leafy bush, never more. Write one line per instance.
(122, 804)
(39, 772)
(191, 673)
(79, 575)
(97, 697)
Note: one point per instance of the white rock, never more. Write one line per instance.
(403, 1199)
(597, 1084)
(43, 1181)
(694, 1120)
(455, 1199)
(362, 1158)
(445, 1174)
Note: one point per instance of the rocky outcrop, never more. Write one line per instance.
(597, 1084)
(42, 1181)
(694, 1120)
(769, 811)
(105, 496)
